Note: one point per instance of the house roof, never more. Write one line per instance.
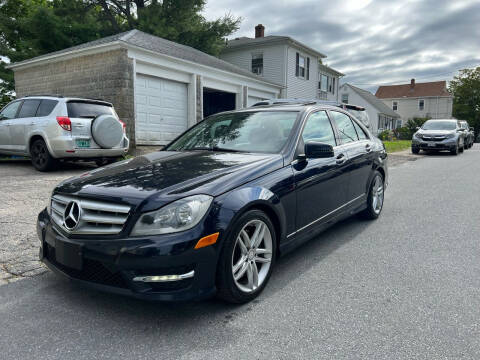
(436, 88)
(374, 101)
(328, 69)
(247, 42)
(159, 45)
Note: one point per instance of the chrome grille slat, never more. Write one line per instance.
(97, 217)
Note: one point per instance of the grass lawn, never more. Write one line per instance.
(397, 145)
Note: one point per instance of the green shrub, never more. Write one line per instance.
(386, 135)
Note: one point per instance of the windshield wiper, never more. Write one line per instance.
(213, 148)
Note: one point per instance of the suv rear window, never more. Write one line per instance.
(77, 109)
(46, 107)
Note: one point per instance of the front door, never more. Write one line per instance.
(6, 116)
(320, 183)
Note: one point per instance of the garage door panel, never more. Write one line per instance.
(161, 109)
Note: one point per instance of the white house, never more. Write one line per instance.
(380, 115)
(429, 99)
(285, 61)
(158, 87)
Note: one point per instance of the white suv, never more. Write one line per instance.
(50, 128)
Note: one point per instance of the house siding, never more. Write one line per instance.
(435, 107)
(299, 87)
(273, 60)
(108, 76)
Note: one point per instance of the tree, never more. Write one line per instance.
(29, 28)
(466, 97)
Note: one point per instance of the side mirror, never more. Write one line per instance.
(316, 150)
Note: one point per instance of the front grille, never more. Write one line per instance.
(92, 271)
(95, 217)
(433, 138)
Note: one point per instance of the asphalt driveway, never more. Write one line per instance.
(406, 286)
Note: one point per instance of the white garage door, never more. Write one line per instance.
(161, 109)
(253, 99)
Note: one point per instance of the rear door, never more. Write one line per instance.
(81, 114)
(6, 117)
(24, 121)
(358, 147)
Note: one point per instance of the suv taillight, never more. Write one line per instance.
(123, 125)
(64, 122)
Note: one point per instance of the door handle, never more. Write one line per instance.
(341, 159)
(368, 147)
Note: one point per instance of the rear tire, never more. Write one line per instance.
(245, 265)
(41, 158)
(375, 198)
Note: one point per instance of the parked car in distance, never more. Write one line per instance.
(213, 211)
(53, 128)
(439, 134)
(468, 133)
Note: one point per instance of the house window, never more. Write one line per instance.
(302, 68)
(421, 104)
(345, 98)
(323, 83)
(257, 64)
(394, 106)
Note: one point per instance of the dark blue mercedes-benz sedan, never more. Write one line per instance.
(213, 211)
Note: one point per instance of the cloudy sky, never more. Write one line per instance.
(373, 42)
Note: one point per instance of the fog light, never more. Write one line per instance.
(164, 278)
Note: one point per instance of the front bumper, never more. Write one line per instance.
(447, 144)
(112, 264)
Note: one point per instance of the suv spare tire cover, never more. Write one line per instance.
(107, 131)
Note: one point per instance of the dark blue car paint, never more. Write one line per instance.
(287, 190)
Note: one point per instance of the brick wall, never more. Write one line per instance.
(107, 76)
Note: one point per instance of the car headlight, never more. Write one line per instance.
(418, 136)
(178, 216)
(449, 136)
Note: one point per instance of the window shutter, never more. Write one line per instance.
(308, 68)
(297, 67)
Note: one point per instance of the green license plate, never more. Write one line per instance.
(83, 143)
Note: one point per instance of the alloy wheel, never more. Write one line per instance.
(377, 194)
(39, 154)
(252, 256)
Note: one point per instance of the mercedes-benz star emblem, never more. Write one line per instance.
(71, 216)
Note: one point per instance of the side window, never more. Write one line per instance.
(46, 107)
(361, 134)
(29, 108)
(10, 111)
(318, 128)
(345, 127)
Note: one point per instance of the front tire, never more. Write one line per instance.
(41, 158)
(454, 151)
(247, 258)
(375, 198)
(415, 150)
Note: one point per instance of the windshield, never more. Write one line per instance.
(262, 131)
(439, 125)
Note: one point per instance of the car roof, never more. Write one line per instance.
(60, 97)
(290, 107)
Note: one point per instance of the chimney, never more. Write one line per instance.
(259, 31)
(412, 83)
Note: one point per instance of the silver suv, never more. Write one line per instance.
(50, 128)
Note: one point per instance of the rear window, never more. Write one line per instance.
(77, 109)
(46, 107)
(29, 108)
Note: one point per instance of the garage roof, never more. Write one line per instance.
(146, 41)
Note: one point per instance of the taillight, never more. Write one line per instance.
(123, 125)
(64, 122)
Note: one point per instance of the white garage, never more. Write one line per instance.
(161, 109)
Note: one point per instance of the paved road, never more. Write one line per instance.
(406, 286)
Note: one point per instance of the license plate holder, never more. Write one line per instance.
(431, 144)
(82, 143)
(69, 255)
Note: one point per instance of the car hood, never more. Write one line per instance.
(436, 132)
(169, 175)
